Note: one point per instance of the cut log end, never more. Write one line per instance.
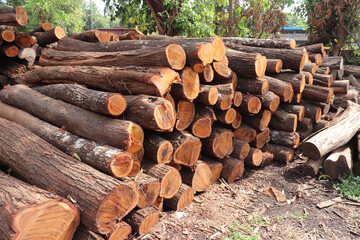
(54, 219)
(223, 144)
(135, 168)
(237, 99)
(21, 16)
(255, 157)
(292, 43)
(222, 69)
(191, 83)
(310, 150)
(206, 53)
(188, 152)
(237, 121)
(274, 104)
(122, 164)
(185, 114)
(226, 102)
(7, 35)
(259, 65)
(116, 104)
(318, 115)
(11, 51)
(303, 61)
(59, 33)
(208, 73)
(170, 184)
(254, 105)
(279, 66)
(230, 115)
(237, 172)
(219, 49)
(167, 74)
(213, 96)
(202, 177)
(176, 56)
(264, 122)
(198, 67)
(164, 116)
(216, 172)
(164, 153)
(122, 232)
(202, 127)
(148, 193)
(186, 199)
(148, 223)
(137, 138)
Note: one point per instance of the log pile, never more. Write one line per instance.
(135, 126)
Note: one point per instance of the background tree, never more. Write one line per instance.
(99, 20)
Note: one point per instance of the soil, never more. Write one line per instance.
(252, 214)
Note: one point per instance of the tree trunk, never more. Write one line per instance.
(198, 176)
(221, 70)
(286, 139)
(251, 63)
(129, 80)
(182, 198)
(274, 66)
(189, 87)
(259, 121)
(283, 89)
(281, 154)
(184, 115)
(215, 167)
(245, 133)
(225, 97)
(23, 151)
(265, 43)
(295, 109)
(157, 149)
(11, 69)
(201, 125)
(269, 101)
(219, 144)
(261, 139)
(118, 133)
(143, 220)
(320, 125)
(208, 95)
(323, 70)
(233, 169)
(13, 16)
(28, 211)
(325, 78)
(254, 157)
(253, 86)
(112, 104)
(317, 93)
(282, 120)
(339, 162)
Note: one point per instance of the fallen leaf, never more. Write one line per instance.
(276, 194)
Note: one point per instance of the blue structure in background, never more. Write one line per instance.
(297, 33)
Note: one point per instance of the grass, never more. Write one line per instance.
(299, 215)
(349, 187)
(242, 232)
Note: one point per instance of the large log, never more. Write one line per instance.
(285, 121)
(114, 132)
(11, 69)
(245, 132)
(233, 169)
(112, 104)
(266, 43)
(182, 198)
(246, 64)
(92, 36)
(283, 89)
(341, 86)
(253, 86)
(269, 101)
(23, 40)
(310, 67)
(219, 144)
(353, 81)
(312, 111)
(27, 211)
(50, 36)
(103, 200)
(197, 177)
(184, 114)
(157, 149)
(334, 136)
(107, 159)
(320, 125)
(339, 162)
(143, 220)
(172, 55)
(129, 80)
(286, 139)
(352, 95)
(241, 149)
(259, 121)
(308, 77)
(281, 153)
(318, 93)
(13, 16)
(326, 79)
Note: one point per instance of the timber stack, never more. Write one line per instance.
(127, 128)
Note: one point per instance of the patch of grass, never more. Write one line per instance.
(260, 219)
(280, 218)
(355, 215)
(349, 187)
(242, 232)
(299, 215)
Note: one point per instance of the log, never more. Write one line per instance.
(29, 56)
(251, 63)
(282, 120)
(312, 111)
(311, 167)
(352, 95)
(293, 59)
(352, 70)
(143, 220)
(122, 232)
(245, 132)
(101, 206)
(184, 115)
(323, 70)
(114, 132)
(112, 104)
(320, 125)
(334, 136)
(169, 177)
(135, 168)
(157, 149)
(254, 157)
(305, 128)
(265, 43)
(250, 104)
(107, 159)
(296, 98)
(238, 97)
(83, 233)
(201, 125)
(261, 139)
(42, 28)
(253, 86)
(221, 70)
(269, 101)
(281, 154)
(197, 177)
(23, 40)
(13, 16)
(7, 35)
(237, 121)
(308, 77)
(208, 95)
(353, 81)
(92, 36)
(219, 144)
(225, 97)
(339, 162)
(310, 67)
(215, 168)
(226, 116)
(172, 55)
(50, 36)
(241, 149)
(341, 86)
(328, 79)
(316, 48)
(207, 75)
(299, 110)
(318, 93)
(260, 121)
(286, 139)
(316, 58)
(274, 65)
(297, 81)
(11, 69)
(129, 80)
(189, 87)
(159, 204)
(139, 155)
(10, 50)
(283, 89)
(233, 169)
(182, 199)
(334, 63)
(27, 211)
(186, 147)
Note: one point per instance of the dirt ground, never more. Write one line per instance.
(252, 214)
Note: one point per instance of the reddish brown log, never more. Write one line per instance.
(221, 70)
(9, 50)
(7, 35)
(226, 116)
(334, 63)
(225, 97)
(184, 115)
(274, 65)
(265, 43)
(297, 81)
(327, 79)
(42, 28)
(283, 89)
(118, 133)
(316, 48)
(237, 121)
(339, 162)
(208, 95)
(92, 36)
(269, 101)
(311, 167)
(233, 169)
(305, 128)
(250, 104)
(260, 121)
(207, 75)
(310, 67)
(112, 104)
(238, 97)
(261, 139)
(50, 36)
(323, 70)
(122, 232)
(316, 58)
(251, 65)
(139, 155)
(201, 125)
(254, 157)
(157, 149)
(182, 199)
(135, 168)
(241, 149)
(143, 220)
(13, 16)
(296, 98)
(23, 40)
(317, 93)
(282, 120)
(295, 109)
(312, 111)
(198, 177)
(341, 86)
(281, 153)
(253, 86)
(219, 144)
(215, 167)
(286, 139)
(308, 77)
(189, 87)
(11, 69)
(28, 211)
(159, 204)
(245, 133)
(352, 95)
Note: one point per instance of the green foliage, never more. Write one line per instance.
(99, 21)
(260, 219)
(242, 232)
(349, 187)
(299, 215)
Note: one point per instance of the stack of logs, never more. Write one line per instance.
(120, 129)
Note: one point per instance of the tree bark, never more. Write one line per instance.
(354, 70)
(317, 93)
(198, 176)
(11, 69)
(219, 144)
(312, 111)
(316, 58)
(297, 81)
(295, 109)
(50, 36)
(83, 233)
(143, 220)
(286, 139)
(334, 63)
(339, 162)
(92, 36)
(265, 43)
(42, 28)
(352, 95)
(253, 86)
(274, 66)
(208, 95)
(320, 125)
(282, 120)
(13, 16)
(269, 101)
(316, 48)
(233, 169)
(182, 198)
(122, 232)
(251, 63)
(226, 116)
(305, 128)
(259, 121)
(157, 149)
(254, 157)
(283, 89)
(281, 154)
(222, 70)
(250, 105)
(261, 139)
(7, 35)
(311, 167)
(310, 67)
(9, 50)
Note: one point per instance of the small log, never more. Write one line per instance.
(107, 159)
(311, 167)
(215, 168)
(241, 149)
(169, 177)
(323, 70)
(157, 149)
(233, 169)
(274, 65)
(333, 137)
(225, 97)
(296, 98)
(267, 158)
(226, 116)
(269, 101)
(251, 63)
(282, 120)
(186, 147)
(253, 86)
(310, 67)
(334, 63)
(261, 139)
(219, 144)
(318, 93)
(221, 70)
(308, 77)
(182, 199)
(259, 121)
(159, 204)
(341, 86)
(238, 97)
(201, 125)
(208, 95)
(295, 109)
(42, 28)
(135, 168)
(320, 125)
(28, 211)
(265, 43)
(286, 139)
(198, 177)
(92, 36)
(305, 128)
(254, 157)
(112, 104)
(143, 220)
(297, 81)
(339, 162)
(233, 80)
(207, 75)
(312, 111)
(316, 48)
(9, 50)
(245, 132)
(189, 87)
(184, 114)
(122, 232)
(328, 79)
(23, 40)
(250, 104)
(316, 58)
(281, 154)
(283, 89)
(13, 16)
(353, 81)
(7, 35)
(102, 207)
(50, 36)
(352, 95)
(114, 132)
(237, 121)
